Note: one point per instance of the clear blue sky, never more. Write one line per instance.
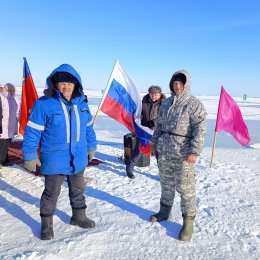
(218, 42)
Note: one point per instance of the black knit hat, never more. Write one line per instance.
(179, 77)
(154, 89)
(64, 77)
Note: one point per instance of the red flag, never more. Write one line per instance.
(29, 96)
(230, 119)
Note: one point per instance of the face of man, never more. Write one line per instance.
(178, 87)
(66, 89)
(154, 96)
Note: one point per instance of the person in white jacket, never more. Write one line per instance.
(9, 116)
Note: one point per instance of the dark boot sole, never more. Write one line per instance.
(154, 218)
(76, 223)
(47, 236)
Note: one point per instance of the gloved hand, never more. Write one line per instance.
(31, 165)
(91, 155)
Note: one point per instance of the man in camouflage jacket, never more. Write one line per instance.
(178, 140)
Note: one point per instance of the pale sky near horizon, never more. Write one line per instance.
(217, 42)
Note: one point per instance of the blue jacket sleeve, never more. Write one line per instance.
(33, 132)
(91, 136)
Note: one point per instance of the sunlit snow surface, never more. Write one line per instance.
(227, 225)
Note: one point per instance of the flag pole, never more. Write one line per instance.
(105, 93)
(215, 135)
(213, 149)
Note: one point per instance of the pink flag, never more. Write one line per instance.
(230, 119)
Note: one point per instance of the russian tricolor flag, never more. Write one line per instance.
(122, 102)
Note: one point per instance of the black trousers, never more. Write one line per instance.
(4, 146)
(52, 190)
(135, 156)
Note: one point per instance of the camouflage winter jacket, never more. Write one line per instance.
(181, 125)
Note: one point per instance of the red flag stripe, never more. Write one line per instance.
(29, 96)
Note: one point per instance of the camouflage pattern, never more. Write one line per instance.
(180, 131)
(178, 176)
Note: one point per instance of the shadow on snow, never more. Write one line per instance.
(19, 213)
(172, 228)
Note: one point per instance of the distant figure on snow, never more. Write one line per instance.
(9, 116)
(151, 103)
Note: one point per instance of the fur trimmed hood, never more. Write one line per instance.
(51, 81)
(187, 84)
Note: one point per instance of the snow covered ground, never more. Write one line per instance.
(227, 225)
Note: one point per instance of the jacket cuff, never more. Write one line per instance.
(30, 156)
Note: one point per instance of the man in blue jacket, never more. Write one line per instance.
(61, 124)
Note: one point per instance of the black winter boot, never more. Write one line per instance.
(130, 175)
(47, 228)
(79, 219)
(187, 228)
(163, 214)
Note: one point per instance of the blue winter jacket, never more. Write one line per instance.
(63, 130)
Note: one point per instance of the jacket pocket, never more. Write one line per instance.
(57, 119)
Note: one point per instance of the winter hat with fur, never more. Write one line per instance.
(154, 89)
